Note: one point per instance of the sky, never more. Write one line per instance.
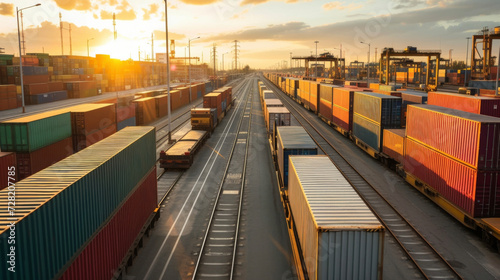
(267, 31)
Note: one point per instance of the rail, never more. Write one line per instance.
(426, 258)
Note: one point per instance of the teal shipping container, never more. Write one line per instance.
(31, 133)
(380, 108)
(59, 209)
(367, 131)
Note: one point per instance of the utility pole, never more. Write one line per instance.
(214, 55)
(316, 67)
(466, 58)
(22, 34)
(236, 55)
(451, 60)
(61, 28)
(114, 26)
(70, 45)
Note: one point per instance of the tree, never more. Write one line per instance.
(246, 69)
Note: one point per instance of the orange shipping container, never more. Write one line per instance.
(145, 110)
(393, 146)
(82, 141)
(161, 105)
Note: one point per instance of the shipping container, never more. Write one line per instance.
(31, 133)
(474, 191)
(213, 100)
(468, 103)
(104, 253)
(145, 111)
(8, 164)
(326, 101)
(128, 122)
(67, 203)
(279, 116)
(340, 237)
(382, 109)
(125, 112)
(292, 140)
(470, 138)
(343, 97)
(342, 118)
(393, 143)
(272, 103)
(161, 105)
(82, 141)
(368, 131)
(414, 97)
(314, 96)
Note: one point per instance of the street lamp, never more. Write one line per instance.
(189, 47)
(20, 54)
(88, 52)
(466, 58)
(316, 69)
(368, 66)
(168, 74)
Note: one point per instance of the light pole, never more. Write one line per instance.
(368, 66)
(316, 67)
(189, 47)
(168, 74)
(20, 54)
(291, 66)
(88, 50)
(466, 58)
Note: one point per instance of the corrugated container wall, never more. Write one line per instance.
(475, 192)
(331, 219)
(382, 109)
(30, 133)
(368, 131)
(394, 142)
(72, 209)
(292, 140)
(472, 104)
(470, 138)
(7, 162)
(145, 110)
(326, 101)
(279, 116)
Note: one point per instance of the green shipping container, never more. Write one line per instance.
(31, 133)
(59, 209)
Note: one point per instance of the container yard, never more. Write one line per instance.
(345, 145)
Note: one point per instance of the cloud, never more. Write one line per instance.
(235, 16)
(36, 39)
(257, 2)
(7, 9)
(199, 2)
(80, 5)
(153, 10)
(160, 35)
(125, 12)
(337, 5)
(272, 32)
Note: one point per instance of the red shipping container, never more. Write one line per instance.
(472, 104)
(30, 163)
(39, 88)
(161, 105)
(33, 79)
(145, 110)
(325, 109)
(475, 192)
(125, 112)
(470, 138)
(106, 251)
(175, 99)
(393, 143)
(55, 86)
(7, 161)
(82, 141)
(213, 100)
(342, 117)
(343, 97)
(87, 118)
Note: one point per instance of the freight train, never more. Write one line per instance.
(203, 121)
(462, 178)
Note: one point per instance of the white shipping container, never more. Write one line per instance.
(339, 235)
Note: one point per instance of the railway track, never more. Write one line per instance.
(430, 263)
(217, 256)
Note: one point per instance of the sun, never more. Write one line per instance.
(120, 48)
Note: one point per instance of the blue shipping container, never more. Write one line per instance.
(367, 131)
(128, 122)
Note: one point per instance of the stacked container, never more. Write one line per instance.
(374, 112)
(277, 115)
(472, 104)
(456, 153)
(411, 97)
(339, 235)
(80, 89)
(84, 209)
(161, 105)
(326, 102)
(213, 100)
(125, 115)
(271, 103)
(394, 143)
(292, 140)
(39, 140)
(342, 110)
(145, 110)
(8, 98)
(314, 96)
(7, 161)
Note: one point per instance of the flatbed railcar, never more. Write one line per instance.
(181, 154)
(488, 228)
